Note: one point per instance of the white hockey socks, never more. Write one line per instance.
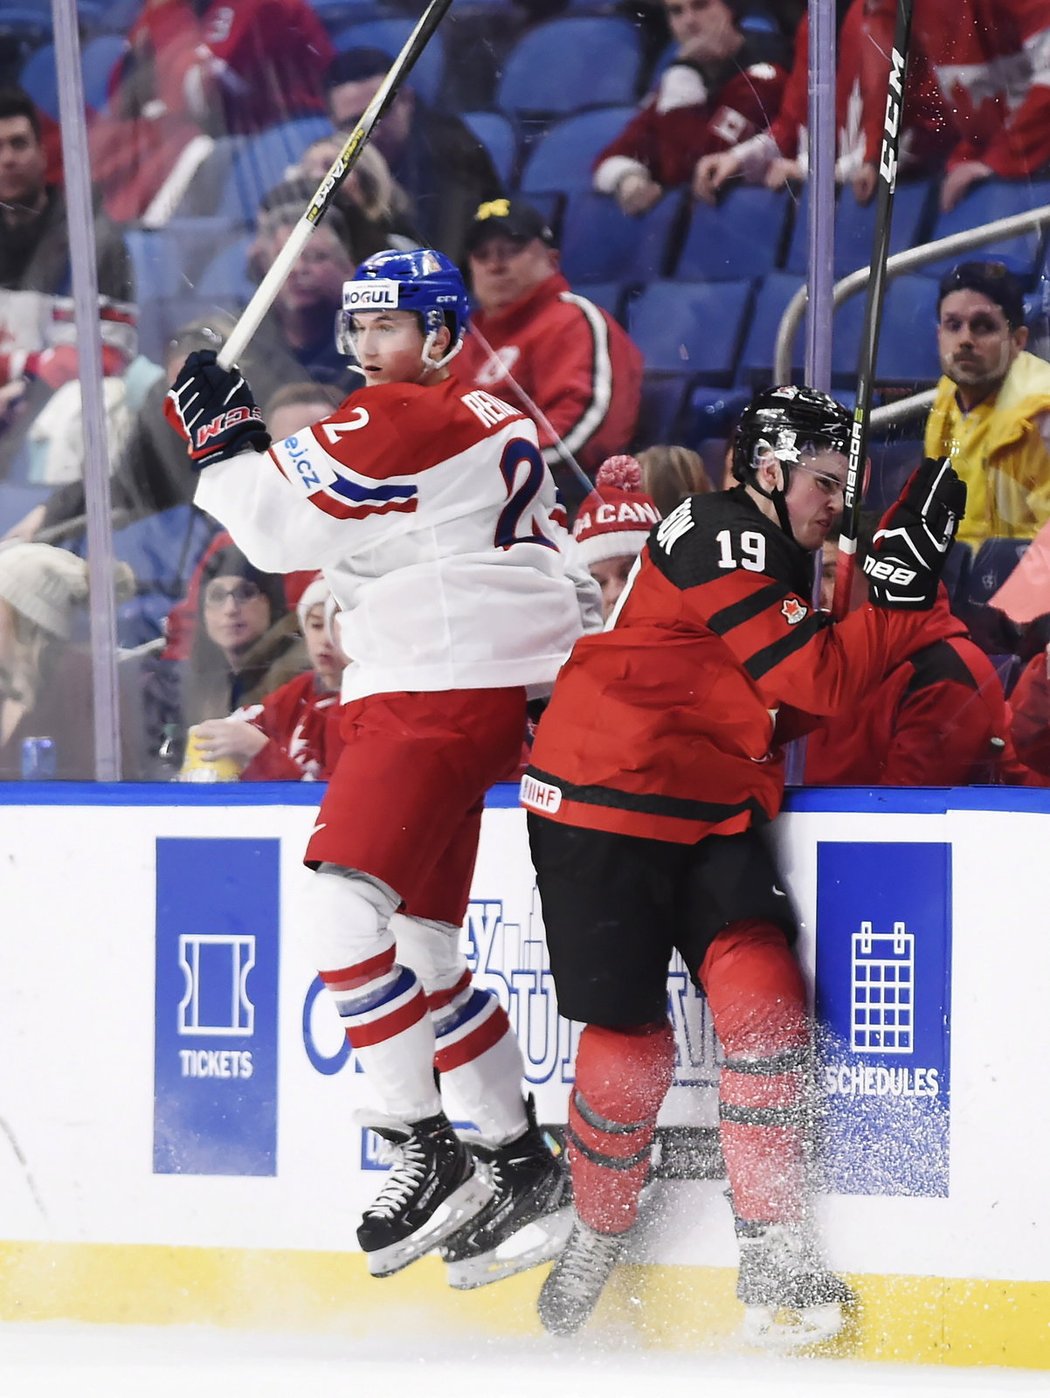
(380, 1002)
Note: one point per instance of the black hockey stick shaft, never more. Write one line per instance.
(266, 292)
(869, 344)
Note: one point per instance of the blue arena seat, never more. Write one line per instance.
(739, 237)
(599, 243)
(17, 500)
(907, 338)
(993, 563)
(98, 58)
(913, 202)
(261, 162)
(568, 64)
(389, 34)
(39, 78)
(562, 158)
(691, 329)
(994, 199)
(755, 368)
(496, 133)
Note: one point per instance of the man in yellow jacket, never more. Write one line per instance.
(991, 413)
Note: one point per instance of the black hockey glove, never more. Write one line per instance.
(214, 410)
(914, 538)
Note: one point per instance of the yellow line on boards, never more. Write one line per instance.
(914, 1320)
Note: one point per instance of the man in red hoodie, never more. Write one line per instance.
(548, 352)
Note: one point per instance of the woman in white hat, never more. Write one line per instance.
(45, 669)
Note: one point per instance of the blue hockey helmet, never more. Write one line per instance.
(423, 281)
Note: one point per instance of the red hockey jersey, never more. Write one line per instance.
(938, 719)
(991, 59)
(681, 121)
(663, 725)
(301, 721)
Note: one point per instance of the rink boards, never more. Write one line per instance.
(178, 1132)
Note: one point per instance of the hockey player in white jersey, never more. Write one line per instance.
(434, 518)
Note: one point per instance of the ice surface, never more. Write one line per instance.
(129, 1362)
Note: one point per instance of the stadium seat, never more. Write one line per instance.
(693, 329)
(739, 237)
(609, 295)
(983, 203)
(262, 161)
(891, 465)
(226, 275)
(562, 158)
(338, 14)
(39, 79)
(497, 135)
(17, 500)
(568, 64)
(600, 244)
(855, 227)
(957, 570)
(154, 263)
(756, 357)
(907, 338)
(98, 58)
(993, 563)
(389, 34)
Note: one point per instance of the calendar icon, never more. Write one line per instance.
(882, 986)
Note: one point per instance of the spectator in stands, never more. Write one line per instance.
(432, 154)
(152, 472)
(377, 211)
(612, 525)
(548, 351)
(779, 154)
(37, 333)
(45, 663)
(1029, 709)
(245, 645)
(298, 405)
(293, 734)
(670, 473)
(938, 718)
(991, 413)
(724, 85)
(301, 320)
(195, 70)
(991, 62)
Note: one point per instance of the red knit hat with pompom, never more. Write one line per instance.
(615, 519)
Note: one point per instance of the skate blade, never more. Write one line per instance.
(458, 1209)
(538, 1242)
(784, 1328)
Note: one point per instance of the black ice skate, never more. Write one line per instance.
(571, 1292)
(527, 1220)
(790, 1299)
(432, 1190)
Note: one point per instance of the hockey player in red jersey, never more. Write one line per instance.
(653, 772)
(428, 506)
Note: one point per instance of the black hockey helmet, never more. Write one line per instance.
(785, 421)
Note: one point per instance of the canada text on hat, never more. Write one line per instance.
(616, 518)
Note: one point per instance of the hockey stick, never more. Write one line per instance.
(266, 292)
(869, 344)
(579, 474)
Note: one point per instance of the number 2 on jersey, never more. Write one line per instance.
(516, 454)
(752, 550)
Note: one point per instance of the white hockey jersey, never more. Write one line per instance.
(433, 516)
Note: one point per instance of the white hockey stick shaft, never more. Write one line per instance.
(266, 292)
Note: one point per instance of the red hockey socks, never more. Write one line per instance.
(622, 1077)
(758, 1004)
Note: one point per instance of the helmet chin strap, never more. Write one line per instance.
(428, 345)
(778, 497)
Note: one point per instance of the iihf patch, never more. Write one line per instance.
(794, 610)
